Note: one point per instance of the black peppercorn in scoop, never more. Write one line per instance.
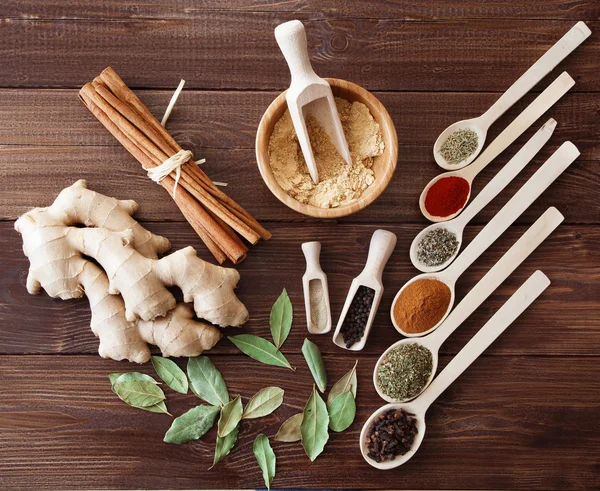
(365, 294)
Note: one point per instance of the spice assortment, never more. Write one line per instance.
(404, 371)
(391, 434)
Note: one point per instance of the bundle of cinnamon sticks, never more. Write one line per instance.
(214, 216)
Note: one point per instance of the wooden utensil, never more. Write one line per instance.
(314, 273)
(309, 95)
(489, 192)
(383, 166)
(527, 243)
(565, 46)
(530, 114)
(380, 250)
(538, 183)
(504, 317)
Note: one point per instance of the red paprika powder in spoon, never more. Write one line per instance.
(447, 196)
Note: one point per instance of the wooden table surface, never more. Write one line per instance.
(525, 415)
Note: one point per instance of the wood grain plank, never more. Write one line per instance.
(33, 176)
(530, 428)
(374, 9)
(223, 119)
(562, 322)
(237, 50)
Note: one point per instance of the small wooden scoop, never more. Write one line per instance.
(309, 94)
(380, 250)
(315, 276)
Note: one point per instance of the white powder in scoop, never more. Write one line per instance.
(339, 184)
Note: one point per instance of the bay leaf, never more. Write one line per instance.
(266, 458)
(342, 411)
(281, 319)
(289, 431)
(224, 445)
(122, 377)
(171, 374)
(314, 426)
(161, 407)
(264, 402)
(139, 393)
(348, 382)
(206, 381)
(260, 349)
(192, 424)
(231, 414)
(313, 358)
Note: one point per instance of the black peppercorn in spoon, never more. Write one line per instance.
(503, 318)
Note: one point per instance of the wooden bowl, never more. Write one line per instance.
(383, 165)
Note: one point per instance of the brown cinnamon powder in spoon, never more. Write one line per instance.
(421, 305)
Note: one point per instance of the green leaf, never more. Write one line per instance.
(315, 421)
(161, 407)
(231, 414)
(171, 374)
(224, 445)
(266, 458)
(260, 349)
(139, 393)
(281, 319)
(264, 402)
(342, 411)
(206, 381)
(192, 425)
(313, 358)
(347, 383)
(289, 431)
(123, 377)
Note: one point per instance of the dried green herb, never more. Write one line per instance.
(315, 421)
(206, 381)
(264, 402)
(170, 374)
(266, 458)
(231, 414)
(436, 247)
(192, 424)
(459, 145)
(313, 358)
(260, 349)
(281, 319)
(289, 431)
(224, 445)
(404, 371)
(342, 411)
(159, 407)
(347, 383)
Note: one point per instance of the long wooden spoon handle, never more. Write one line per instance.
(503, 318)
(536, 185)
(521, 249)
(563, 48)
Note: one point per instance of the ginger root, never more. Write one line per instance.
(145, 311)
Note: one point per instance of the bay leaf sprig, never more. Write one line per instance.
(264, 402)
(314, 426)
(231, 414)
(281, 319)
(192, 425)
(342, 411)
(313, 358)
(348, 382)
(206, 381)
(260, 349)
(224, 445)
(170, 374)
(266, 458)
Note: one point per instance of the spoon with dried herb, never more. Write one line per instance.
(460, 143)
(409, 418)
